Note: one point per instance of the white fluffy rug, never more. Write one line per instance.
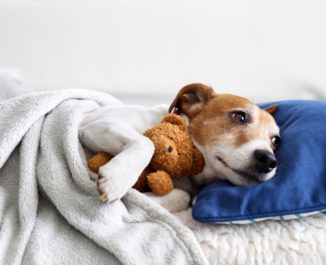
(292, 242)
(296, 242)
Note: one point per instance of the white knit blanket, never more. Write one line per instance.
(49, 208)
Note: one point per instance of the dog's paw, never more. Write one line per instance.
(111, 185)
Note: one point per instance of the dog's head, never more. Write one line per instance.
(235, 136)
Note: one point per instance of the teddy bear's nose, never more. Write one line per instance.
(170, 149)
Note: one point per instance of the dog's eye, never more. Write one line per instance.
(239, 117)
(276, 140)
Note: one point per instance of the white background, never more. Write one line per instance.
(263, 50)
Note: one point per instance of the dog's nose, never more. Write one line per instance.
(265, 161)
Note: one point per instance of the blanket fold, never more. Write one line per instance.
(49, 208)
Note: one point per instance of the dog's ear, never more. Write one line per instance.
(191, 99)
(272, 109)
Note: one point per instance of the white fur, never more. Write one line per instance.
(235, 157)
(118, 130)
(175, 201)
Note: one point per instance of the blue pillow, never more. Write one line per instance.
(299, 187)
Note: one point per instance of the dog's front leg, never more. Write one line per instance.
(122, 172)
(118, 131)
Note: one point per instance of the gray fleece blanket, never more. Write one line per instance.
(49, 208)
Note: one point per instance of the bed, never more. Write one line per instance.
(299, 241)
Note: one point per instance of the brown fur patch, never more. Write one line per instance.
(272, 109)
(213, 122)
(191, 98)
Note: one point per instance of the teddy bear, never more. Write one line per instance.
(175, 156)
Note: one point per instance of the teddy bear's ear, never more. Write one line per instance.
(191, 99)
(176, 120)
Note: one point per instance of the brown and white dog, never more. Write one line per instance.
(235, 136)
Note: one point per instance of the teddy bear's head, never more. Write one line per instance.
(174, 150)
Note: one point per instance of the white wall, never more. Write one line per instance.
(260, 49)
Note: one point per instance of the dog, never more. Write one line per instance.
(236, 137)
